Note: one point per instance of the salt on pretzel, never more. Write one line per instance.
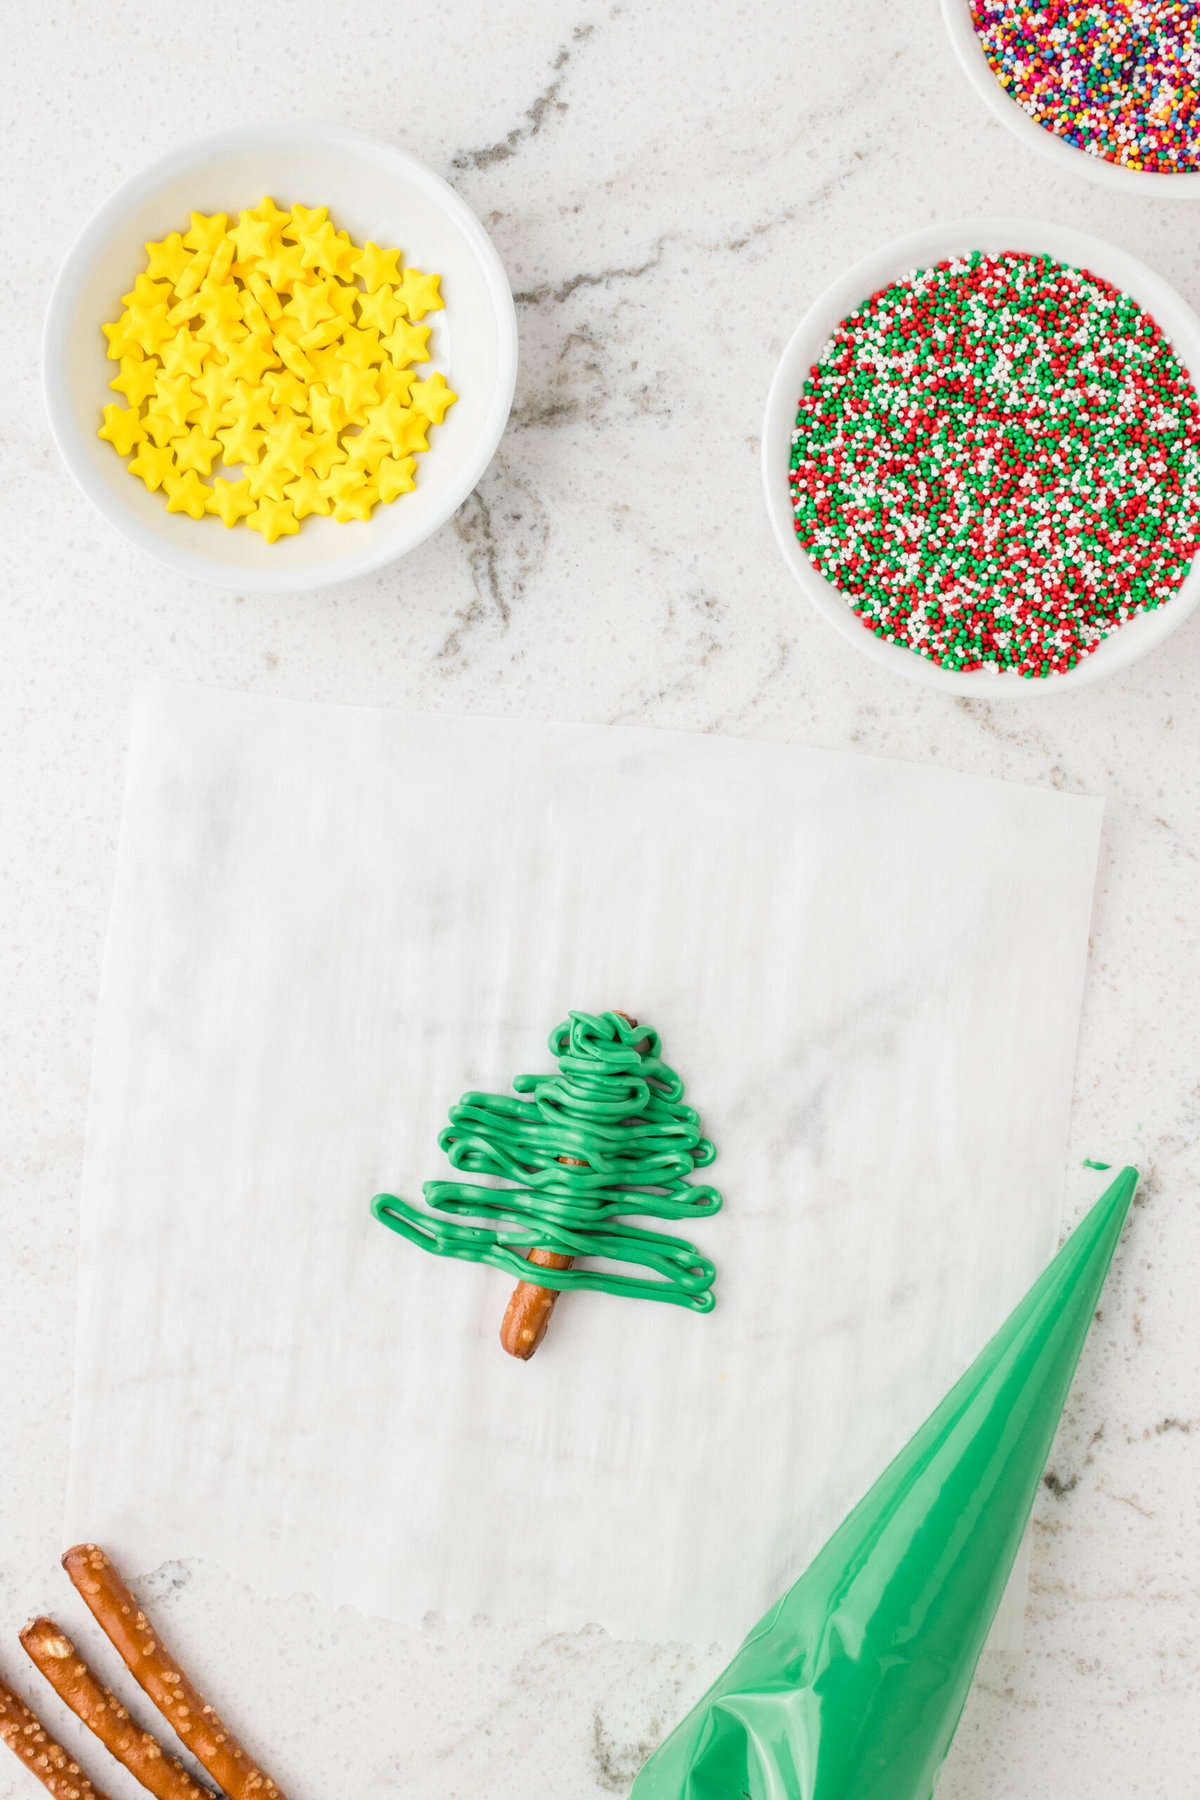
(193, 1721)
(54, 1767)
(528, 1311)
(53, 1653)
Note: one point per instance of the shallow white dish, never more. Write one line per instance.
(373, 191)
(888, 264)
(978, 70)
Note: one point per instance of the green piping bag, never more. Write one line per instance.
(852, 1686)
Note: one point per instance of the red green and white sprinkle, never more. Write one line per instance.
(997, 461)
(1119, 79)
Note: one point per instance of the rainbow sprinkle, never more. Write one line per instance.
(997, 462)
(1118, 79)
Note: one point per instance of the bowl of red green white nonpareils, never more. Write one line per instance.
(981, 458)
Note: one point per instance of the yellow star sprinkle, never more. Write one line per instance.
(303, 218)
(286, 390)
(268, 344)
(210, 418)
(195, 451)
(377, 266)
(205, 232)
(274, 518)
(310, 304)
(256, 319)
(241, 443)
(356, 504)
(433, 397)
(122, 428)
(322, 335)
(283, 268)
(269, 213)
(267, 480)
(250, 405)
(394, 381)
(161, 427)
(379, 309)
(166, 261)
(187, 493)
(287, 446)
(193, 276)
(253, 237)
(326, 365)
(123, 340)
(410, 434)
(250, 360)
(420, 294)
(222, 260)
(392, 420)
(328, 250)
(365, 452)
(215, 386)
(152, 465)
(294, 357)
(175, 395)
(184, 354)
(258, 285)
(361, 347)
(307, 495)
(358, 391)
(407, 343)
(230, 501)
(136, 380)
(146, 292)
(327, 454)
(396, 475)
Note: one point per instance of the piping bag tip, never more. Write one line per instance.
(852, 1685)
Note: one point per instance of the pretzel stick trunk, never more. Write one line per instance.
(528, 1311)
(54, 1767)
(77, 1687)
(193, 1721)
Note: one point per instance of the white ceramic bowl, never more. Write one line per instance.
(373, 191)
(978, 70)
(888, 264)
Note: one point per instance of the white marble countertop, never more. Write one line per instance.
(668, 189)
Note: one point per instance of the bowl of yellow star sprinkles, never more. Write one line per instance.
(280, 357)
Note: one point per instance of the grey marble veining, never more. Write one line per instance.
(668, 191)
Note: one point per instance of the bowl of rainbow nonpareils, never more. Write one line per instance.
(981, 458)
(280, 357)
(1105, 88)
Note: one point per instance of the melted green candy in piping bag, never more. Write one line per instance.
(852, 1686)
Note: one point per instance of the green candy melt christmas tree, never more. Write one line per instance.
(852, 1686)
(608, 1135)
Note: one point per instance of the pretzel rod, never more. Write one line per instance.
(54, 1767)
(194, 1722)
(77, 1687)
(528, 1311)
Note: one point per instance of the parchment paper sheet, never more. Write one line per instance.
(327, 923)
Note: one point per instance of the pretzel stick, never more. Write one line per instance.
(528, 1311)
(194, 1722)
(28, 1738)
(77, 1687)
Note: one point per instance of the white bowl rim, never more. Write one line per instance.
(1127, 644)
(238, 138)
(1151, 184)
